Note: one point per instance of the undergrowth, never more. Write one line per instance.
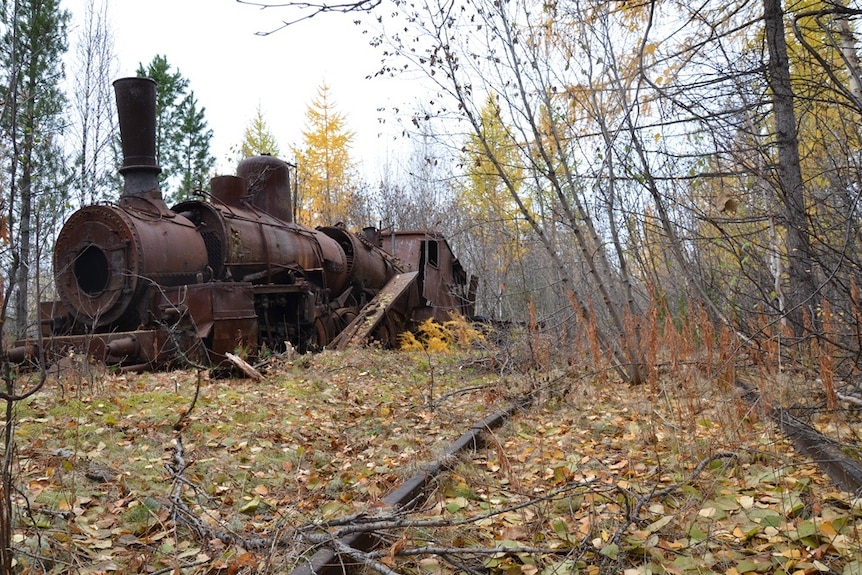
(677, 475)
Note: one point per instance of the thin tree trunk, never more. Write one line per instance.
(802, 287)
(24, 243)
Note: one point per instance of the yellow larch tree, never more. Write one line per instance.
(326, 177)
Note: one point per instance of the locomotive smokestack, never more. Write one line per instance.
(136, 111)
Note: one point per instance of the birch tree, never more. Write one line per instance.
(498, 234)
(686, 156)
(92, 112)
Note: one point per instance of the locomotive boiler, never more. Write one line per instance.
(143, 285)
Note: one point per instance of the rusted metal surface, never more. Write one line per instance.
(367, 266)
(140, 346)
(136, 115)
(52, 317)
(219, 313)
(105, 255)
(226, 190)
(230, 270)
(247, 245)
(827, 453)
(26, 352)
(369, 319)
(268, 181)
(444, 285)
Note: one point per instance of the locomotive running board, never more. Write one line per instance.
(357, 331)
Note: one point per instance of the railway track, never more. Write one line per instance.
(600, 477)
(333, 560)
(355, 549)
(827, 453)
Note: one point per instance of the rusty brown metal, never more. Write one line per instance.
(53, 316)
(229, 190)
(136, 114)
(27, 351)
(122, 347)
(370, 317)
(367, 266)
(248, 245)
(444, 285)
(198, 323)
(141, 284)
(268, 181)
(141, 346)
(408, 495)
(105, 255)
(223, 314)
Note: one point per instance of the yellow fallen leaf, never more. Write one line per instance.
(827, 529)
(251, 506)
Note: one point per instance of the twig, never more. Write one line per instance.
(244, 366)
(364, 558)
(469, 550)
(400, 521)
(180, 566)
(849, 398)
(181, 422)
(182, 515)
(641, 501)
(462, 391)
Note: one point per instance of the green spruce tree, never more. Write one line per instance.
(194, 147)
(182, 136)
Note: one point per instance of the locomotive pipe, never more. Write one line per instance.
(136, 112)
(22, 353)
(127, 346)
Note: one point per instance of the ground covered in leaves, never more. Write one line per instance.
(134, 473)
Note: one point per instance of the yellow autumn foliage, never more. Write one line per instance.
(433, 336)
(325, 172)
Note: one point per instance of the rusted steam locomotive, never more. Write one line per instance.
(144, 285)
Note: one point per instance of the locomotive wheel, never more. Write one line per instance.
(321, 336)
(386, 333)
(344, 316)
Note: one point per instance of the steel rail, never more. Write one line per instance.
(412, 492)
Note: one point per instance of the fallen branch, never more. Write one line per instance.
(363, 558)
(244, 366)
(849, 398)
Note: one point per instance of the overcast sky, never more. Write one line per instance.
(214, 44)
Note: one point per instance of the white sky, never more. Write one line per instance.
(213, 43)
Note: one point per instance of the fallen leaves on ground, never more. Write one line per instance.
(590, 479)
